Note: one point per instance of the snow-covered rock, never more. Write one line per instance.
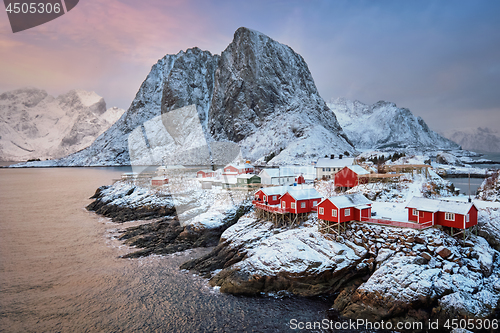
(490, 188)
(384, 125)
(35, 125)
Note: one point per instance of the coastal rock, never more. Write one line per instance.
(301, 261)
(405, 283)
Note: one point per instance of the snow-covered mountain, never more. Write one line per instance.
(258, 94)
(477, 139)
(34, 124)
(384, 125)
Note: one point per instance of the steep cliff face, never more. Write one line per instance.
(384, 125)
(265, 99)
(36, 125)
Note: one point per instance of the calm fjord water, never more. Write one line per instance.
(60, 271)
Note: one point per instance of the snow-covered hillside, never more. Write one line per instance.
(478, 139)
(34, 124)
(384, 125)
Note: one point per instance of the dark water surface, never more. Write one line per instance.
(60, 271)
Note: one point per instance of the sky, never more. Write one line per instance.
(440, 59)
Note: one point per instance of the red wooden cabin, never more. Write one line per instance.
(300, 200)
(460, 215)
(344, 208)
(271, 195)
(158, 181)
(205, 173)
(349, 176)
(238, 169)
(300, 180)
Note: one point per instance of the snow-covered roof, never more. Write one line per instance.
(276, 173)
(349, 200)
(280, 190)
(206, 170)
(240, 166)
(433, 205)
(334, 163)
(303, 193)
(159, 178)
(358, 169)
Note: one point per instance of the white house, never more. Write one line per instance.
(277, 176)
(328, 167)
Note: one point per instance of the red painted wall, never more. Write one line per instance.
(346, 178)
(327, 214)
(472, 217)
(367, 212)
(411, 217)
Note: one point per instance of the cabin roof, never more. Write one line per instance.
(240, 166)
(303, 193)
(433, 205)
(358, 169)
(275, 190)
(277, 173)
(349, 200)
(334, 163)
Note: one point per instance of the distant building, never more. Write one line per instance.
(235, 169)
(158, 181)
(246, 179)
(349, 177)
(328, 167)
(205, 173)
(277, 176)
(460, 215)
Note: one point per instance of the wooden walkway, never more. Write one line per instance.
(391, 223)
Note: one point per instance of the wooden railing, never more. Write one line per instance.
(272, 209)
(412, 225)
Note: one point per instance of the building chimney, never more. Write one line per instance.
(340, 157)
(332, 156)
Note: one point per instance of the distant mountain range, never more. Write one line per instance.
(481, 139)
(259, 95)
(35, 125)
(384, 125)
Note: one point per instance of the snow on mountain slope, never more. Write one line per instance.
(34, 124)
(258, 94)
(384, 125)
(478, 139)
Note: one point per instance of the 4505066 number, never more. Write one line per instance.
(33, 7)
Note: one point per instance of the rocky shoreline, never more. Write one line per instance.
(373, 272)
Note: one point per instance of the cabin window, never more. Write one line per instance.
(334, 212)
(467, 218)
(274, 197)
(449, 216)
(302, 205)
(415, 212)
(347, 212)
(265, 198)
(292, 205)
(421, 214)
(321, 210)
(283, 204)
(315, 203)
